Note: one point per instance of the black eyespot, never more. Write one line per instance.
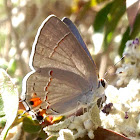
(31, 103)
(39, 118)
(103, 82)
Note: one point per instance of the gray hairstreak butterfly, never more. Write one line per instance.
(63, 72)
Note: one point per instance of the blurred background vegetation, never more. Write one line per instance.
(103, 25)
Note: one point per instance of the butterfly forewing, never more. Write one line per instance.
(57, 47)
(75, 32)
(64, 73)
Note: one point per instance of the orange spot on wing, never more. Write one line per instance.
(36, 101)
(42, 112)
(34, 95)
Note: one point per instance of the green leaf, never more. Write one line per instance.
(99, 26)
(95, 2)
(12, 66)
(10, 101)
(31, 126)
(136, 27)
(101, 18)
(42, 134)
(52, 138)
(2, 122)
(125, 38)
(116, 12)
(2, 113)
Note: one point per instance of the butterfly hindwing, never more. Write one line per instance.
(55, 88)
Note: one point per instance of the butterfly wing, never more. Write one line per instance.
(76, 33)
(63, 73)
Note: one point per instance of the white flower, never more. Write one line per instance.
(126, 101)
(80, 126)
(131, 67)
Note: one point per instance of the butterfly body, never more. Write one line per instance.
(63, 72)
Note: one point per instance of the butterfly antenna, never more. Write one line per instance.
(105, 75)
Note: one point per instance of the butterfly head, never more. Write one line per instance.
(102, 83)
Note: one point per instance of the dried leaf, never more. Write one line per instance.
(132, 11)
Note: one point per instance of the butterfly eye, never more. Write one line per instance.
(103, 83)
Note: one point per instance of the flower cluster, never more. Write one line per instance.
(131, 67)
(123, 115)
(121, 109)
(76, 126)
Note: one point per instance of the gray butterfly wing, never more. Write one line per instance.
(76, 33)
(62, 94)
(63, 73)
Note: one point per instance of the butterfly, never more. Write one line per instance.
(63, 72)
